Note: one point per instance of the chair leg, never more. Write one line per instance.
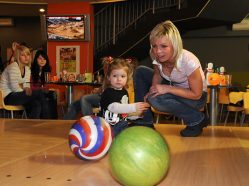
(62, 110)
(235, 119)
(242, 119)
(24, 115)
(174, 119)
(207, 112)
(226, 118)
(157, 118)
(221, 111)
(6, 113)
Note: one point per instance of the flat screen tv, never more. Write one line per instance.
(68, 27)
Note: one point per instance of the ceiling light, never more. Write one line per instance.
(6, 22)
(41, 10)
(105, 1)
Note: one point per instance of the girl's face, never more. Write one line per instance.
(162, 49)
(118, 78)
(41, 61)
(24, 58)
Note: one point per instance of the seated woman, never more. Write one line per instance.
(16, 87)
(39, 67)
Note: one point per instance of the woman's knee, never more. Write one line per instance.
(91, 99)
(153, 101)
(83, 100)
(163, 104)
(141, 71)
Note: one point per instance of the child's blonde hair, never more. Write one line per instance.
(19, 49)
(117, 63)
(168, 29)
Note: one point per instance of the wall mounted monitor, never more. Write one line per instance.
(68, 27)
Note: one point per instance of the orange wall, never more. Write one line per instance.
(86, 48)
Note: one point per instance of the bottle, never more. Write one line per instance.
(64, 75)
(222, 76)
(209, 71)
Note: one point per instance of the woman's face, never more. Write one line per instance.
(41, 61)
(162, 49)
(24, 58)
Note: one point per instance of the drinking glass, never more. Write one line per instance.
(47, 77)
(228, 78)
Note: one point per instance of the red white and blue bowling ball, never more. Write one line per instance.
(90, 138)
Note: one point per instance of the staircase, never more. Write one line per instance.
(122, 29)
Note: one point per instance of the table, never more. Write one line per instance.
(70, 87)
(214, 102)
(36, 152)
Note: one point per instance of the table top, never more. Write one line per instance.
(69, 83)
(74, 83)
(238, 87)
(36, 152)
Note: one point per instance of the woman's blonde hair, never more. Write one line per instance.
(117, 63)
(19, 49)
(168, 29)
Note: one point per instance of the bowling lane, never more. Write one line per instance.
(220, 156)
(36, 152)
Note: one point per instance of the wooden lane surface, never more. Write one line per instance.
(37, 153)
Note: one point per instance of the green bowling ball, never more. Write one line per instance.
(139, 156)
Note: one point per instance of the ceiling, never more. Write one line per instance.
(11, 8)
(55, 1)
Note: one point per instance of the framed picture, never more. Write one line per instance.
(68, 59)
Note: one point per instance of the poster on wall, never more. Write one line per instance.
(68, 59)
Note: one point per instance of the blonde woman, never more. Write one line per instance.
(16, 87)
(176, 84)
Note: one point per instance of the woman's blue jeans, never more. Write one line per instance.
(85, 104)
(35, 104)
(183, 108)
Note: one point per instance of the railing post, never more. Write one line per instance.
(114, 25)
(153, 7)
(179, 4)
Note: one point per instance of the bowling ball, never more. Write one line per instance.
(90, 138)
(139, 156)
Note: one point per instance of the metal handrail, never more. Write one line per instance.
(116, 18)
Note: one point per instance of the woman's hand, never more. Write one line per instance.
(28, 91)
(158, 89)
(21, 85)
